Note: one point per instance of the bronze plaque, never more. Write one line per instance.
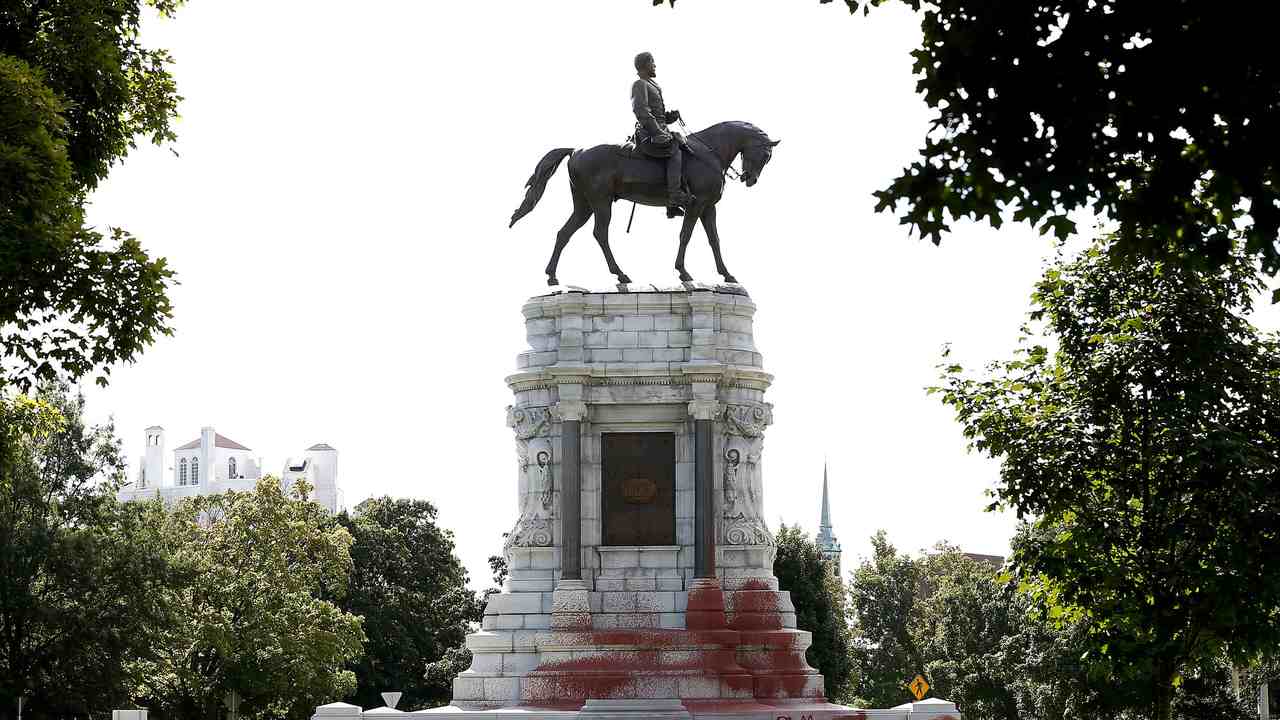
(638, 502)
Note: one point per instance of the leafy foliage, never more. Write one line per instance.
(992, 648)
(80, 576)
(883, 596)
(1047, 107)
(819, 598)
(1145, 448)
(76, 89)
(257, 568)
(411, 590)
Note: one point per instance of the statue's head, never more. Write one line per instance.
(733, 456)
(645, 65)
(544, 457)
(754, 158)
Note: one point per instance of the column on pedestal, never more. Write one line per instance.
(706, 600)
(570, 606)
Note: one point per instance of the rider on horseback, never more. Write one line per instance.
(653, 138)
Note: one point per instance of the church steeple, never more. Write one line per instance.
(827, 543)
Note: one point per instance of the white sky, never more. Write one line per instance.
(337, 219)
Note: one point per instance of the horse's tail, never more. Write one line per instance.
(538, 181)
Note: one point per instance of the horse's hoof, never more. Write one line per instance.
(624, 280)
(551, 280)
(730, 279)
(685, 277)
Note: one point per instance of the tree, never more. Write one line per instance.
(258, 568)
(883, 594)
(1145, 449)
(77, 88)
(1047, 107)
(411, 589)
(991, 648)
(81, 577)
(819, 598)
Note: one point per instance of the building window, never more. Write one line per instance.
(195, 471)
(182, 471)
(231, 469)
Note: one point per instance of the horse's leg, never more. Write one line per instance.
(581, 211)
(604, 211)
(713, 238)
(686, 232)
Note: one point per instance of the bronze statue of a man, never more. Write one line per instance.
(653, 138)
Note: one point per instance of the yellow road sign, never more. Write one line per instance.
(919, 687)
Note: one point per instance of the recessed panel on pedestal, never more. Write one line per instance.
(638, 502)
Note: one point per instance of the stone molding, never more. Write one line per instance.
(570, 410)
(705, 409)
(723, 376)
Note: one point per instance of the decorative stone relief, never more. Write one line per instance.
(740, 510)
(741, 520)
(747, 420)
(533, 527)
(528, 422)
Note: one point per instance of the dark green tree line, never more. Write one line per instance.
(411, 589)
(997, 651)
(82, 579)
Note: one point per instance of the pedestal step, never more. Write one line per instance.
(762, 609)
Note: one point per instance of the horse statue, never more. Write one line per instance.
(605, 173)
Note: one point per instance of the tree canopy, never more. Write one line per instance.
(81, 577)
(1145, 447)
(77, 88)
(992, 648)
(1160, 114)
(411, 589)
(260, 568)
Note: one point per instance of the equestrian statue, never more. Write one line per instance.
(688, 178)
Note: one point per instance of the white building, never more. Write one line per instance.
(213, 464)
(319, 467)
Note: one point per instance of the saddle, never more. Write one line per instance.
(629, 149)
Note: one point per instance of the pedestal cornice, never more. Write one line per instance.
(620, 374)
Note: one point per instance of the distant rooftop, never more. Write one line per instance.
(995, 561)
(218, 441)
(322, 446)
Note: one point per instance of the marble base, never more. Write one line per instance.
(930, 709)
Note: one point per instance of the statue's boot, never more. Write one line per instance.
(678, 201)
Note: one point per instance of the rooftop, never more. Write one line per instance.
(218, 441)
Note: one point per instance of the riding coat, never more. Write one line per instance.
(646, 102)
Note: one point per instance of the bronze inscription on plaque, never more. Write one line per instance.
(638, 502)
(639, 491)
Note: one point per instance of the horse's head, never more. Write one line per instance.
(754, 158)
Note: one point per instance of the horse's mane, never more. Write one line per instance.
(737, 124)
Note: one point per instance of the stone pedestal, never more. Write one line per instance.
(641, 570)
